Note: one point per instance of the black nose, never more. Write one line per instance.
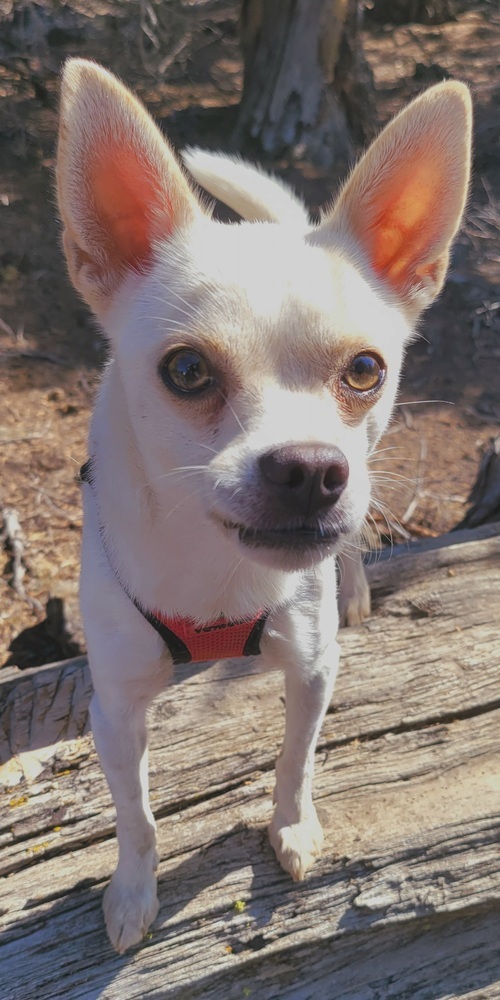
(305, 478)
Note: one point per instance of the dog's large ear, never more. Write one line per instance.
(404, 201)
(120, 189)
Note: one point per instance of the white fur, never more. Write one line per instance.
(254, 195)
(281, 309)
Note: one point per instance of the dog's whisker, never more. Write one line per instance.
(389, 447)
(169, 322)
(173, 510)
(186, 475)
(187, 468)
(351, 550)
(232, 409)
(379, 478)
(400, 454)
(402, 484)
(370, 547)
(384, 459)
(227, 581)
(193, 469)
(177, 505)
(167, 304)
(191, 312)
(183, 312)
(392, 522)
(180, 475)
(208, 448)
(376, 529)
(172, 291)
(399, 489)
(398, 492)
(421, 402)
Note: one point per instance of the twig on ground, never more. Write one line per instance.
(35, 356)
(407, 417)
(7, 329)
(419, 484)
(45, 495)
(18, 438)
(13, 537)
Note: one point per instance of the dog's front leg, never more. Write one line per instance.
(295, 831)
(130, 901)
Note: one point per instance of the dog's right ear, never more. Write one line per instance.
(120, 189)
(403, 203)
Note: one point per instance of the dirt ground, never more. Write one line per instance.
(183, 60)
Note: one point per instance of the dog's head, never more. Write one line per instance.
(259, 361)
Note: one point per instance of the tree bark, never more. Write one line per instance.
(307, 87)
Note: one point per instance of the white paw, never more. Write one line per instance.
(354, 593)
(129, 909)
(354, 609)
(296, 845)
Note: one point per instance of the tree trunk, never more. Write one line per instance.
(307, 88)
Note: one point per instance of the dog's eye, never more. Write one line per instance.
(186, 371)
(364, 372)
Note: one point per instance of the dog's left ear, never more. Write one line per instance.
(119, 186)
(404, 201)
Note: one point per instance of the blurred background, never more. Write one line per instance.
(301, 86)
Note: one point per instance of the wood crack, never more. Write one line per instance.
(414, 725)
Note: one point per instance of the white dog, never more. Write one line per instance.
(254, 368)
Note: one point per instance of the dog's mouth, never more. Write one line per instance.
(297, 539)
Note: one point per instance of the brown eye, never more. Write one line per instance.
(185, 371)
(364, 372)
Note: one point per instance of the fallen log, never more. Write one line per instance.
(405, 898)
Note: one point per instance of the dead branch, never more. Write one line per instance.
(35, 356)
(419, 485)
(13, 538)
(17, 438)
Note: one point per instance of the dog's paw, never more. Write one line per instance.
(129, 910)
(354, 593)
(355, 608)
(296, 845)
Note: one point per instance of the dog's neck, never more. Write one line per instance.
(170, 556)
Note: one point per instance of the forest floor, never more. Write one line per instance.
(184, 62)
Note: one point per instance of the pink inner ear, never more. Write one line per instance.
(128, 199)
(406, 219)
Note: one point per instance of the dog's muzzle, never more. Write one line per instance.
(294, 517)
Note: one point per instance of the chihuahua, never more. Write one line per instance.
(253, 368)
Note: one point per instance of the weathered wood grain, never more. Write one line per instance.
(406, 898)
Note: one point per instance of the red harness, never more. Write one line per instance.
(218, 640)
(187, 641)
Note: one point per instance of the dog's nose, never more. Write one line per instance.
(305, 477)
